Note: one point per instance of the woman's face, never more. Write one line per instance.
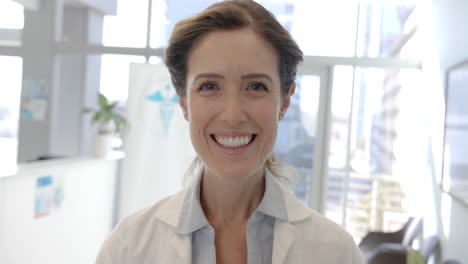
(233, 101)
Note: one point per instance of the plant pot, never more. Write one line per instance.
(102, 145)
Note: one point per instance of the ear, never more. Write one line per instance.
(286, 100)
(183, 105)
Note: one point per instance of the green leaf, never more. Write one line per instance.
(107, 113)
(117, 125)
(102, 101)
(96, 117)
(106, 117)
(126, 125)
(111, 106)
(123, 121)
(86, 111)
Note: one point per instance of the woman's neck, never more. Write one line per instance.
(228, 201)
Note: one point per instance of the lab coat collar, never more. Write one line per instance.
(296, 210)
(284, 236)
(192, 217)
(182, 245)
(171, 211)
(285, 232)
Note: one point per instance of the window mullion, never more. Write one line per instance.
(148, 32)
(11, 51)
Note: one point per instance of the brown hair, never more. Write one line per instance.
(228, 15)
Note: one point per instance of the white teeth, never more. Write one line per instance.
(233, 142)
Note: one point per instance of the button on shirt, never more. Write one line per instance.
(260, 226)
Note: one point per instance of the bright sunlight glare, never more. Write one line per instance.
(11, 15)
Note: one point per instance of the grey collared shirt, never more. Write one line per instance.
(260, 227)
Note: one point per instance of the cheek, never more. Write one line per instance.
(193, 109)
(197, 126)
(267, 113)
(267, 119)
(199, 113)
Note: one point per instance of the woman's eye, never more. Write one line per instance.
(257, 87)
(208, 86)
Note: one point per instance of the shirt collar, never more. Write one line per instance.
(192, 217)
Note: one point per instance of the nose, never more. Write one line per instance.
(234, 110)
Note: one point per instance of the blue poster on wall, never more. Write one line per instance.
(49, 195)
(34, 100)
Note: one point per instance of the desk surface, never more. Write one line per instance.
(44, 166)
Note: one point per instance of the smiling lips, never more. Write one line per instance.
(233, 142)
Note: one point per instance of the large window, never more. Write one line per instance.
(11, 67)
(115, 75)
(11, 15)
(383, 27)
(295, 144)
(10, 83)
(372, 142)
(366, 143)
(320, 28)
(128, 28)
(11, 23)
(356, 160)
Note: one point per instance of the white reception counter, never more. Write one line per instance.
(57, 211)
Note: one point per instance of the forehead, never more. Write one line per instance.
(233, 51)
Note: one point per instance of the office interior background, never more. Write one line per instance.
(365, 130)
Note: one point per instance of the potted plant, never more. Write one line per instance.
(110, 124)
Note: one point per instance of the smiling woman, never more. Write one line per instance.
(226, 102)
(233, 67)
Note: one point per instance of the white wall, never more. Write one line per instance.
(74, 233)
(72, 80)
(447, 217)
(78, 85)
(39, 35)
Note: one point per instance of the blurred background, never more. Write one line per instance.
(365, 130)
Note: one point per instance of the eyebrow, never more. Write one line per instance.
(208, 75)
(257, 75)
(247, 76)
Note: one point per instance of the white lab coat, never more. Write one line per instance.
(149, 236)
